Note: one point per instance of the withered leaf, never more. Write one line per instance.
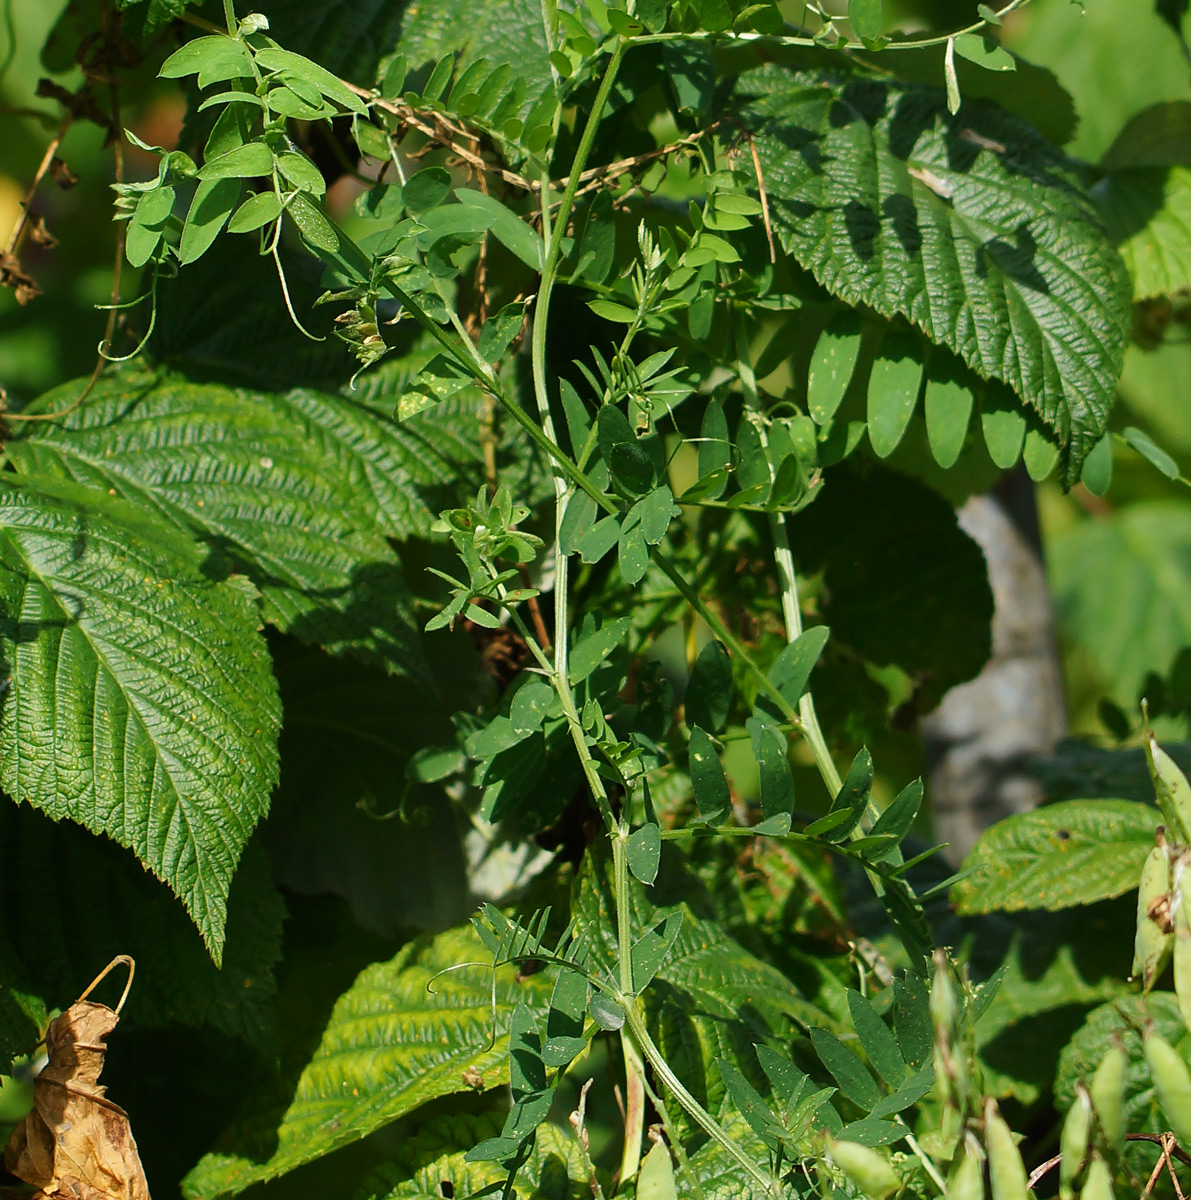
(75, 1143)
(14, 275)
(61, 174)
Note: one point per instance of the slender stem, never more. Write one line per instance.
(694, 1109)
(229, 16)
(922, 1157)
(729, 639)
(787, 579)
(634, 1109)
(981, 26)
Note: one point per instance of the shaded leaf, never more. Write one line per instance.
(142, 704)
(390, 1046)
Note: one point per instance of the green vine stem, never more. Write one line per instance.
(657, 1060)
(780, 39)
(787, 578)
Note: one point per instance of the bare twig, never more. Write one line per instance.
(18, 230)
(118, 261)
(1170, 1149)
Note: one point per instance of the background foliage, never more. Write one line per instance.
(273, 721)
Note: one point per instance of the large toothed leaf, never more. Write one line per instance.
(1067, 854)
(141, 703)
(298, 489)
(402, 1035)
(971, 226)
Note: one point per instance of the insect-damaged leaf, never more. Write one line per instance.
(75, 1141)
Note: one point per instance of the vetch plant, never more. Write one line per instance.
(528, 637)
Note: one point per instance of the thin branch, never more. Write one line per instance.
(18, 230)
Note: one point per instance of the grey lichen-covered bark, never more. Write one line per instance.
(980, 738)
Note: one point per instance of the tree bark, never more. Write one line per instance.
(980, 738)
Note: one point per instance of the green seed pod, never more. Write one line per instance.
(1108, 1096)
(1099, 1181)
(1006, 1171)
(1153, 941)
(1182, 956)
(944, 1004)
(1171, 790)
(1172, 1083)
(867, 1169)
(1074, 1141)
(966, 1181)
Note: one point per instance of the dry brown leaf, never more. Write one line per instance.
(75, 1143)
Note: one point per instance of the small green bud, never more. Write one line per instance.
(867, 1169)
(1171, 790)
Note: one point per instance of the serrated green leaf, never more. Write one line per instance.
(392, 1044)
(104, 903)
(1071, 853)
(336, 475)
(349, 737)
(1147, 211)
(984, 52)
(903, 582)
(141, 703)
(998, 256)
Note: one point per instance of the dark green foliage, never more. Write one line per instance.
(534, 501)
